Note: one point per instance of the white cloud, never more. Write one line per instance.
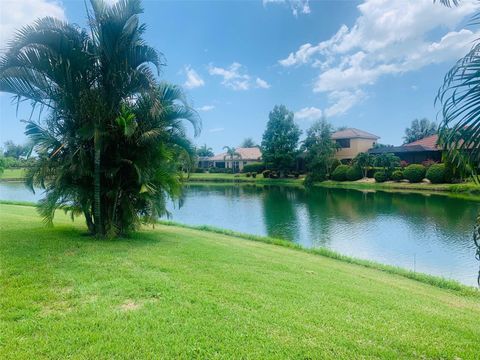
(15, 14)
(236, 77)
(389, 37)
(214, 130)
(193, 79)
(308, 114)
(296, 6)
(206, 108)
(262, 83)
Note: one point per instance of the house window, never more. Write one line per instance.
(343, 143)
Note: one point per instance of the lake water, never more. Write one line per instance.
(430, 234)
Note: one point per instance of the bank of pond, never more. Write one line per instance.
(430, 234)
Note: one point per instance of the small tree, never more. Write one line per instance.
(388, 162)
(248, 143)
(419, 129)
(280, 140)
(364, 161)
(231, 153)
(320, 149)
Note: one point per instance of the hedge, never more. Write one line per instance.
(257, 167)
(354, 173)
(436, 173)
(414, 173)
(340, 173)
(380, 176)
(397, 175)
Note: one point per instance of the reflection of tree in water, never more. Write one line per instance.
(279, 212)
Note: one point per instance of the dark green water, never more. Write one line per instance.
(431, 234)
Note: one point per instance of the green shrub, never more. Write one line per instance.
(380, 176)
(354, 173)
(254, 174)
(266, 174)
(257, 167)
(335, 164)
(436, 173)
(199, 170)
(397, 175)
(248, 174)
(414, 173)
(340, 173)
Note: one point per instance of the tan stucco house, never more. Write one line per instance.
(352, 141)
(243, 157)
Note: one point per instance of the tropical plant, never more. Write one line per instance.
(419, 129)
(280, 140)
(109, 143)
(231, 153)
(205, 151)
(248, 143)
(320, 149)
(460, 127)
(354, 173)
(364, 161)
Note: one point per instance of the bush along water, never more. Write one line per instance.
(397, 175)
(380, 176)
(354, 173)
(340, 173)
(414, 173)
(436, 173)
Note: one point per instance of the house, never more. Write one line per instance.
(352, 141)
(415, 152)
(243, 157)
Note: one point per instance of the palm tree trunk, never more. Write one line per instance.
(97, 204)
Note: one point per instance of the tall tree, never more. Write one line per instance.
(419, 129)
(205, 151)
(248, 143)
(109, 143)
(280, 140)
(320, 149)
(15, 150)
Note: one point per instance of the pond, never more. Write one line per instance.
(425, 233)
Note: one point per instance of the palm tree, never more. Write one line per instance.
(205, 151)
(460, 128)
(106, 116)
(231, 153)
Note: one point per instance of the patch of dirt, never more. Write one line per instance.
(130, 305)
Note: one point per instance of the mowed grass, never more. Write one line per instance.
(180, 293)
(13, 173)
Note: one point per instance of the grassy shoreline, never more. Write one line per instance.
(465, 190)
(437, 281)
(176, 292)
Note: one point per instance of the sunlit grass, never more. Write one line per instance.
(174, 292)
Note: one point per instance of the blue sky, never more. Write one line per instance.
(372, 64)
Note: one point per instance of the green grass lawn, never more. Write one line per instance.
(180, 293)
(13, 173)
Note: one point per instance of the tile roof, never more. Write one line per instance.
(428, 142)
(252, 153)
(352, 133)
